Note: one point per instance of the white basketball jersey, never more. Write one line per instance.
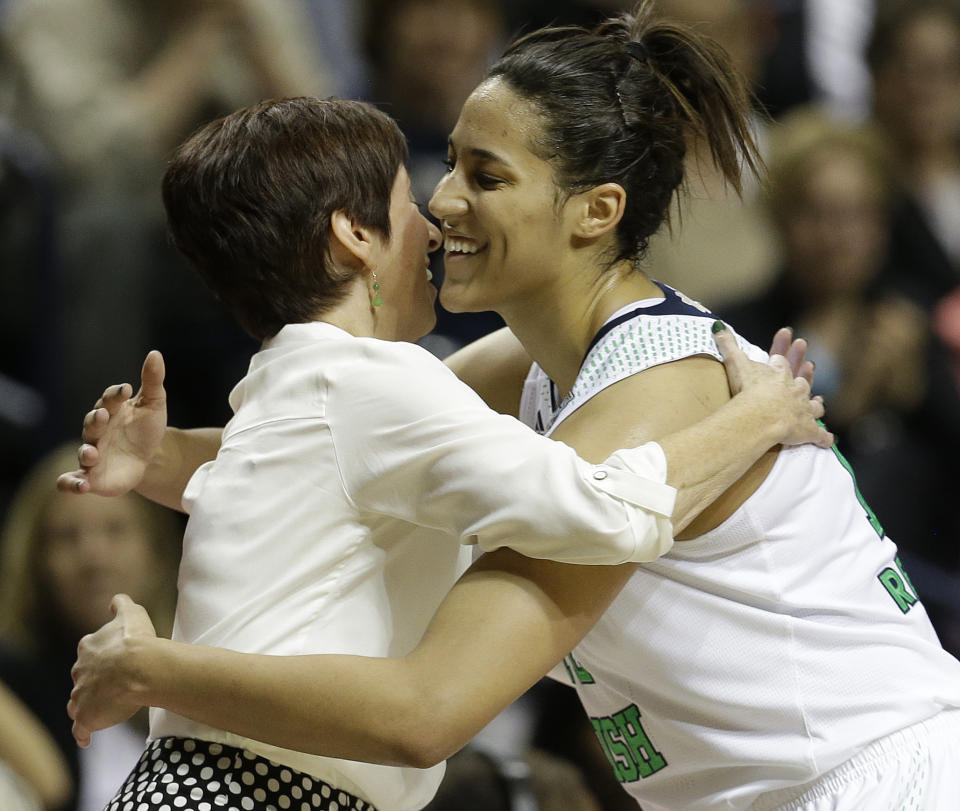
(765, 652)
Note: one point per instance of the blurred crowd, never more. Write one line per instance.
(852, 238)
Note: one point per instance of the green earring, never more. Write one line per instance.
(377, 299)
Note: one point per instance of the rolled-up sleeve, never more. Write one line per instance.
(415, 443)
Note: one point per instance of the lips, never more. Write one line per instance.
(459, 245)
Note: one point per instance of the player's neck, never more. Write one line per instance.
(557, 324)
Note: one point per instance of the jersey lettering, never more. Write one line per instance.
(627, 746)
(898, 586)
(577, 672)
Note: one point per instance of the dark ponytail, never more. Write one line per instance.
(619, 104)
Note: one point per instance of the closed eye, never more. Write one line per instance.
(485, 181)
(482, 179)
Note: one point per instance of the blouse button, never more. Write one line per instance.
(600, 475)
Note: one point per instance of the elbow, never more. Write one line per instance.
(421, 753)
(427, 744)
(428, 734)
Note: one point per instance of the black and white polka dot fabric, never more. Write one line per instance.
(181, 774)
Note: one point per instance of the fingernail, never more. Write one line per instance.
(718, 326)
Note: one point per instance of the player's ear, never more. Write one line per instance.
(599, 210)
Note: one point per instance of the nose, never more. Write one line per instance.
(447, 203)
(433, 235)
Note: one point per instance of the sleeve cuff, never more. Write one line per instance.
(639, 476)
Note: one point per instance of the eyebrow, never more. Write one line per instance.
(481, 154)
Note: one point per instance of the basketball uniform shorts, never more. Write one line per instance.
(915, 769)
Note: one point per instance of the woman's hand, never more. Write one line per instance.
(105, 674)
(781, 387)
(121, 435)
(795, 351)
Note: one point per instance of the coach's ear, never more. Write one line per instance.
(351, 244)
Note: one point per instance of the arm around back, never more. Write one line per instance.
(507, 622)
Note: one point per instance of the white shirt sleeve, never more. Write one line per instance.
(415, 443)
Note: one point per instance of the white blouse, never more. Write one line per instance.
(329, 521)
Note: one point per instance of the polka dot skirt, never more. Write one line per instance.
(181, 773)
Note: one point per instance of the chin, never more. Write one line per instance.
(454, 303)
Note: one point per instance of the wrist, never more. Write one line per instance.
(765, 422)
(169, 449)
(143, 662)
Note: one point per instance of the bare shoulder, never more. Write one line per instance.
(495, 367)
(646, 406)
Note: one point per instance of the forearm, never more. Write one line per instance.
(181, 453)
(706, 458)
(377, 710)
(503, 626)
(27, 747)
(334, 705)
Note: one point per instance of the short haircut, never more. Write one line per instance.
(249, 199)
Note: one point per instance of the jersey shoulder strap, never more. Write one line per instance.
(633, 340)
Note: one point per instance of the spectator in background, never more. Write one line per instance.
(720, 248)
(878, 364)
(829, 188)
(914, 58)
(61, 561)
(421, 72)
(33, 772)
(109, 87)
(426, 57)
(914, 55)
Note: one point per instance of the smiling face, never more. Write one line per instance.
(402, 267)
(504, 232)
